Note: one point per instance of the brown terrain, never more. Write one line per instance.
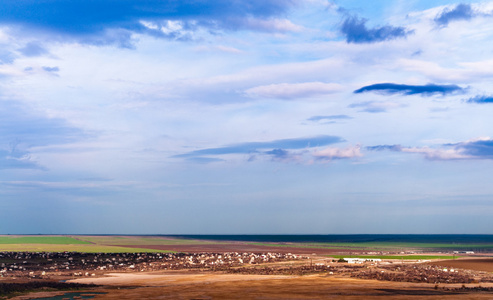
(244, 247)
(479, 264)
(243, 271)
(220, 286)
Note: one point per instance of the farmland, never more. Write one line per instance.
(203, 267)
(118, 244)
(85, 244)
(45, 240)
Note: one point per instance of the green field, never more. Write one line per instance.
(90, 244)
(110, 243)
(73, 248)
(47, 240)
(140, 240)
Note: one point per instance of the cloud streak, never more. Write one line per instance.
(329, 118)
(481, 148)
(404, 89)
(480, 99)
(33, 49)
(355, 31)
(113, 22)
(15, 158)
(375, 106)
(293, 90)
(256, 147)
(30, 129)
(21, 130)
(460, 12)
(331, 153)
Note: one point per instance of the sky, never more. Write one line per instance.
(246, 117)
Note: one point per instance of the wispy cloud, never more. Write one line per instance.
(429, 153)
(404, 89)
(15, 158)
(283, 155)
(33, 49)
(293, 90)
(113, 22)
(478, 148)
(256, 147)
(331, 153)
(481, 148)
(6, 56)
(375, 106)
(329, 118)
(355, 31)
(21, 130)
(203, 160)
(480, 99)
(269, 25)
(459, 12)
(32, 129)
(51, 69)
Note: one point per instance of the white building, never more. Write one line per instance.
(361, 260)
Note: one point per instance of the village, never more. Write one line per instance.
(46, 264)
(67, 265)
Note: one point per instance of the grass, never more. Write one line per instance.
(141, 240)
(121, 244)
(90, 248)
(48, 240)
(399, 257)
(90, 244)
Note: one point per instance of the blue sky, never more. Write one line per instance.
(246, 117)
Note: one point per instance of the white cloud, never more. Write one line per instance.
(220, 48)
(376, 106)
(338, 153)
(463, 72)
(272, 25)
(437, 154)
(293, 90)
(172, 27)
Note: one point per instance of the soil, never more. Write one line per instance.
(219, 286)
(207, 272)
(478, 264)
(243, 247)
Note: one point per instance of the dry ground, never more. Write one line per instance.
(478, 264)
(222, 286)
(244, 247)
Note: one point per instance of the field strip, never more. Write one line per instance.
(48, 240)
(89, 248)
(141, 240)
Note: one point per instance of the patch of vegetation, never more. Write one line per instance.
(141, 240)
(49, 240)
(91, 248)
